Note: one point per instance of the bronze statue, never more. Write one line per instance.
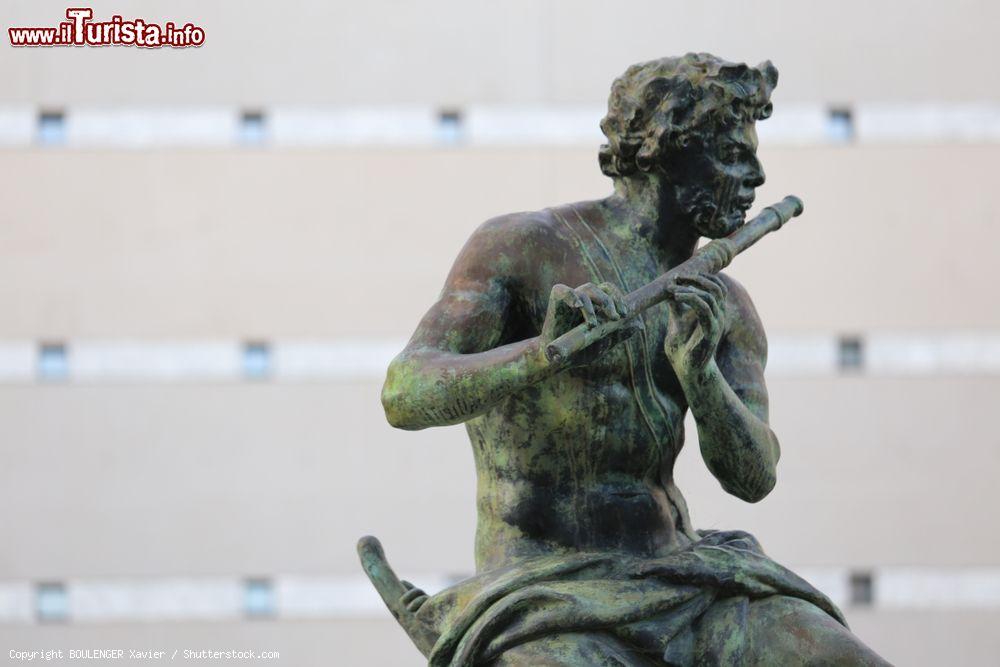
(571, 342)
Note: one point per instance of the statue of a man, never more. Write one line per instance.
(585, 553)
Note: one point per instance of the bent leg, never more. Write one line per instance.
(789, 631)
(573, 650)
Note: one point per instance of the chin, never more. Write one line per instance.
(720, 226)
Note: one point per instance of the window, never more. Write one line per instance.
(840, 125)
(850, 353)
(450, 126)
(862, 588)
(51, 128)
(52, 361)
(257, 360)
(253, 127)
(258, 598)
(51, 602)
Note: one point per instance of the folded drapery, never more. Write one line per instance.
(650, 604)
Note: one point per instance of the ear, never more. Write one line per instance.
(770, 73)
(733, 72)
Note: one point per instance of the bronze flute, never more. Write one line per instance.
(712, 258)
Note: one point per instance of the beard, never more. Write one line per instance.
(713, 212)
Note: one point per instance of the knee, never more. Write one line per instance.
(791, 631)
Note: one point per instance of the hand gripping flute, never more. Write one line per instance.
(711, 258)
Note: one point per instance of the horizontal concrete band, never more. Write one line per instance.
(476, 125)
(318, 597)
(345, 359)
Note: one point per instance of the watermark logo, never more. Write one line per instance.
(82, 30)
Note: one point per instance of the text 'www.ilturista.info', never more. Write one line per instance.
(81, 30)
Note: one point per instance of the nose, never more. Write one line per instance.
(755, 177)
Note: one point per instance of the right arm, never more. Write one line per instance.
(452, 370)
(456, 366)
(428, 387)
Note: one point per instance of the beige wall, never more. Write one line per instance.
(318, 243)
(556, 51)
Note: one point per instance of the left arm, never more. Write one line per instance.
(717, 347)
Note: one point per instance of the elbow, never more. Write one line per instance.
(757, 486)
(413, 399)
(394, 400)
(755, 491)
(762, 490)
(394, 412)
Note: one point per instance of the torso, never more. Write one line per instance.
(583, 461)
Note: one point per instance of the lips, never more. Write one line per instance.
(744, 203)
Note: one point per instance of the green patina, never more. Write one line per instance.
(585, 552)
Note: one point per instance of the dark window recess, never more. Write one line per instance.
(862, 588)
(851, 353)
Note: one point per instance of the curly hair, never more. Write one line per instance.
(660, 105)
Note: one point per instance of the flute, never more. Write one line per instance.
(712, 258)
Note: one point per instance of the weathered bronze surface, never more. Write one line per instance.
(571, 342)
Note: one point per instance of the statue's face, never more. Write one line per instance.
(716, 177)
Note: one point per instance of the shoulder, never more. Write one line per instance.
(513, 244)
(512, 230)
(737, 293)
(744, 327)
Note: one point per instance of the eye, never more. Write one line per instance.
(731, 154)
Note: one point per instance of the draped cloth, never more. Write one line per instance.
(651, 604)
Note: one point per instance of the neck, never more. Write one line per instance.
(649, 206)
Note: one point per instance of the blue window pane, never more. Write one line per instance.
(450, 127)
(253, 128)
(840, 125)
(53, 363)
(258, 598)
(51, 128)
(51, 602)
(256, 360)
